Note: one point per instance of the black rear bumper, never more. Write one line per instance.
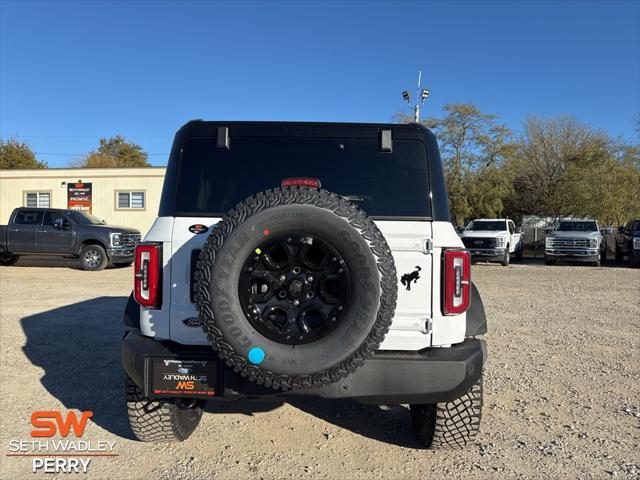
(428, 376)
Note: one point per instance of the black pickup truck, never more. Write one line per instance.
(48, 231)
(628, 242)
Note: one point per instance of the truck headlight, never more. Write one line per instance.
(500, 242)
(115, 239)
(636, 243)
(593, 242)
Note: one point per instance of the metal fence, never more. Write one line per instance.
(533, 239)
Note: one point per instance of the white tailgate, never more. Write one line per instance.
(410, 245)
(409, 242)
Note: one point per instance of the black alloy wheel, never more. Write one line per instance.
(294, 289)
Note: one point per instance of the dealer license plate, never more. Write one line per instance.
(170, 377)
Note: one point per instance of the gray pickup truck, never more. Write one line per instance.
(576, 240)
(49, 231)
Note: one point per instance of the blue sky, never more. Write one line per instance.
(72, 72)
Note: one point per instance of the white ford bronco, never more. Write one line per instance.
(493, 239)
(304, 259)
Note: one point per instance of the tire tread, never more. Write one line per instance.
(158, 421)
(449, 425)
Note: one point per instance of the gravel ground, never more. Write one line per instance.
(561, 384)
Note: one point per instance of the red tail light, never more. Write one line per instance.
(457, 281)
(148, 275)
(301, 182)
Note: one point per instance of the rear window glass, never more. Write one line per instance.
(212, 181)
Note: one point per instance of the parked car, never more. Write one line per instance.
(574, 239)
(254, 282)
(50, 231)
(493, 239)
(628, 243)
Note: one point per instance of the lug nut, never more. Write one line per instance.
(296, 303)
(296, 270)
(309, 279)
(282, 294)
(282, 278)
(310, 294)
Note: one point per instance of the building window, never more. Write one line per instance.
(130, 200)
(38, 199)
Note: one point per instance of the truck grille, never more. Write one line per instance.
(471, 242)
(570, 242)
(129, 239)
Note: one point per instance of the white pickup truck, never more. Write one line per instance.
(493, 239)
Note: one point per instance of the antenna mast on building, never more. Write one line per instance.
(421, 96)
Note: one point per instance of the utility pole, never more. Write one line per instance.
(421, 94)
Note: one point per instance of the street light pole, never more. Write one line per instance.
(421, 96)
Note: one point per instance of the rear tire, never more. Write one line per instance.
(8, 260)
(159, 420)
(452, 424)
(93, 258)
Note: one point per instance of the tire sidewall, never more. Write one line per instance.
(356, 321)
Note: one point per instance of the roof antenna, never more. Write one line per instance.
(422, 94)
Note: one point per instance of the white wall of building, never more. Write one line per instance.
(106, 183)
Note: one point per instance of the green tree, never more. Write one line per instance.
(115, 152)
(566, 168)
(15, 154)
(474, 148)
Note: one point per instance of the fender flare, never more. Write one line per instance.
(476, 318)
(131, 316)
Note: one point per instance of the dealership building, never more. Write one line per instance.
(127, 197)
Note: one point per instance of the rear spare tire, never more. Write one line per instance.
(296, 287)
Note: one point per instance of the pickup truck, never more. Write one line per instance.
(577, 240)
(493, 239)
(49, 231)
(628, 243)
